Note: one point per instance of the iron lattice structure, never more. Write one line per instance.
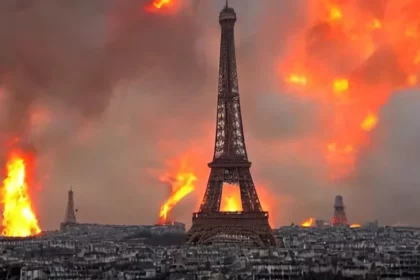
(339, 218)
(230, 162)
(70, 215)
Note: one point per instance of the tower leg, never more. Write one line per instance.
(213, 195)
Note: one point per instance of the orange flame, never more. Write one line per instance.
(308, 223)
(369, 122)
(231, 199)
(412, 80)
(297, 79)
(354, 225)
(417, 58)
(158, 5)
(18, 217)
(377, 52)
(340, 86)
(232, 204)
(377, 24)
(335, 14)
(181, 187)
(161, 3)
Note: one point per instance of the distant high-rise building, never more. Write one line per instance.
(339, 218)
(70, 215)
(321, 223)
(371, 224)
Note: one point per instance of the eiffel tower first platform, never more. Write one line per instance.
(230, 163)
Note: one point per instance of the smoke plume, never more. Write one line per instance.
(106, 91)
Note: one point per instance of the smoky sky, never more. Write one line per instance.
(386, 178)
(106, 92)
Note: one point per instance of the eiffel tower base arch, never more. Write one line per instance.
(246, 227)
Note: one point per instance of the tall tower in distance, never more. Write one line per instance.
(70, 215)
(230, 163)
(339, 218)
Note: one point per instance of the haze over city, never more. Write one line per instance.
(116, 98)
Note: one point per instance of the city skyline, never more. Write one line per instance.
(134, 98)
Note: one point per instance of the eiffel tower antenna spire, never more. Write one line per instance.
(227, 4)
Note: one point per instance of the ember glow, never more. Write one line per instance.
(19, 219)
(369, 122)
(308, 223)
(412, 80)
(159, 5)
(231, 204)
(354, 225)
(340, 86)
(297, 79)
(351, 57)
(335, 14)
(182, 184)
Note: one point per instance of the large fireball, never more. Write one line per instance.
(350, 57)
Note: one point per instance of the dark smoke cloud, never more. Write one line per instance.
(75, 53)
(78, 63)
(284, 117)
(105, 92)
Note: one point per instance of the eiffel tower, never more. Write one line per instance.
(70, 215)
(230, 163)
(339, 218)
